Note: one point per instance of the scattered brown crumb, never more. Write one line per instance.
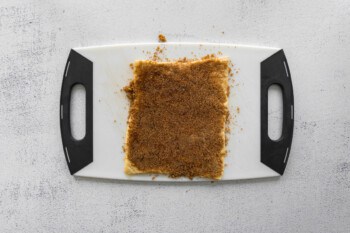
(238, 109)
(129, 90)
(154, 177)
(231, 65)
(158, 54)
(228, 118)
(209, 56)
(230, 72)
(161, 38)
(183, 60)
(131, 66)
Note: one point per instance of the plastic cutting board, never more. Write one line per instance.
(104, 71)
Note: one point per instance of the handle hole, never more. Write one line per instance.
(275, 112)
(78, 112)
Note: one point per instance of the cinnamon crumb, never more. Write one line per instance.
(230, 72)
(209, 56)
(129, 90)
(131, 66)
(238, 109)
(161, 38)
(156, 55)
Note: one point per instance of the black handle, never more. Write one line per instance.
(79, 153)
(275, 153)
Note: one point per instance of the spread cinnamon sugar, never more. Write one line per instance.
(177, 116)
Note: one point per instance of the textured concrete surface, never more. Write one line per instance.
(38, 195)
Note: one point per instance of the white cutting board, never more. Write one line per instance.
(111, 72)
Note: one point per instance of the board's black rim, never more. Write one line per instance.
(275, 153)
(78, 70)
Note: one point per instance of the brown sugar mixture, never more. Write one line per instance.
(177, 117)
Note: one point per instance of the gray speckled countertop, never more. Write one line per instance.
(37, 194)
